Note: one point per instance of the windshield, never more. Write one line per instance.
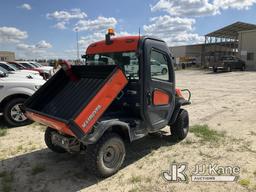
(6, 67)
(17, 66)
(128, 61)
(35, 64)
(4, 70)
(26, 65)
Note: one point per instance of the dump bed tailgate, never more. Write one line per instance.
(74, 99)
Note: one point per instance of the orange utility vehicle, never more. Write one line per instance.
(98, 106)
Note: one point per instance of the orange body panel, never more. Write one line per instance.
(92, 112)
(160, 97)
(60, 126)
(101, 101)
(128, 43)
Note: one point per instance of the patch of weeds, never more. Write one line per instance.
(37, 169)
(187, 142)
(244, 182)
(19, 148)
(135, 179)
(206, 134)
(7, 180)
(3, 132)
(134, 190)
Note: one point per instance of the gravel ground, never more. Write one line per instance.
(226, 102)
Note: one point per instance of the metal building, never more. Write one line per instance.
(223, 42)
(247, 48)
(7, 56)
(237, 39)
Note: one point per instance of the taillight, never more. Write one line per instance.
(178, 93)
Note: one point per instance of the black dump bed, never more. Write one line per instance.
(68, 92)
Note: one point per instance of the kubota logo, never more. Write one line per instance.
(91, 116)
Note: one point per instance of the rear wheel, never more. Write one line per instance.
(164, 71)
(13, 114)
(215, 69)
(48, 141)
(106, 156)
(181, 126)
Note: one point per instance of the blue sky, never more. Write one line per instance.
(46, 29)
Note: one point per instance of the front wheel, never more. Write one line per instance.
(106, 156)
(181, 126)
(13, 114)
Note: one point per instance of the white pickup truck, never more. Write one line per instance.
(13, 93)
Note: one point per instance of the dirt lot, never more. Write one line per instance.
(224, 101)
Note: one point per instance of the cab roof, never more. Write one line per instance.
(119, 44)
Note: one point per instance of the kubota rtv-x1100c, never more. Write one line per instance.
(125, 91)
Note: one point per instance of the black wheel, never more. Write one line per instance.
(229, 68)
(243, 68)
(106, 156)
(164, 71)
(215, 69)
(48, 141)
(13, 114)
(181, 126)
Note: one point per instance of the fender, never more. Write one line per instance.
(101, 127)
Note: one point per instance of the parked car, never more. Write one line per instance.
(13, 92)
(46, 73)
(228, 63)
(13, 70)
(156, 68)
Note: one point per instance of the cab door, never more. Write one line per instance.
(158, 87)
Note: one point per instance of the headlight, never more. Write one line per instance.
(37, 87)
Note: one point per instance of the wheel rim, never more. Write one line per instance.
(16, 113)
(112, 155)
(164, 71)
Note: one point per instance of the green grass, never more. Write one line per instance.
(135, 179)
(7, 180)
(38, 169)
(206, 134)
(3, 132)
(244, 182)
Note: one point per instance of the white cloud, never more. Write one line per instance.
(174, 30)
(99, 24)
(186, 8)
(61, 25)
(31, 51)
(234, 4)
(26, 6)
(85, 41)
(11, 35)
(67, 15)
(41, 46)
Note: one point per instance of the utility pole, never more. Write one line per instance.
(77, 45)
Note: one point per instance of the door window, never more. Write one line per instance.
(159, 65)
